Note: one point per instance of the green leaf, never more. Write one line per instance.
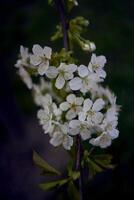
(94, 167)
(75, 175)
(53, 184)
(63, 56)
(41, 163)
(73, 192)
(104, 160)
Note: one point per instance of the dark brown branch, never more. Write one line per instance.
(78, 164)
(61, 10)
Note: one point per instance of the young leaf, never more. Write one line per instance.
(95, 168)
(104, 160)
(41, 163)
(53, 184)
(73, 192)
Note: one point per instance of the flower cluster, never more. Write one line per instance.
(71, 98)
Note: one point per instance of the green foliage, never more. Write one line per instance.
(73, 192)
(62, 56)
(41, 163)
(97, 163)
(76, 28)
(49, 170)
(58, 33)
(53, 184)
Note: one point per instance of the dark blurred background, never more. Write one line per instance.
(29, 22)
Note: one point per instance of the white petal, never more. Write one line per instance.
(75, 83)
(47, 100)
(98, 104)
(68, 75)
(79, 101)
(78, 109)
(97, 117)
(43, 67)
(62, 66)
(23, 52)
(114, 133)
(68, 142)
(71, 114)
(74, 131)
(48, 52)
(35, 60)
(94, 142)
(85, 134)
(71, 68)
(52, 72)
(74, 124)
(60, 82)
(57, 139)
(93, 58)
(37, 50)
(101, 73)
(83, 71)
(82, 116)
(90, 67)
(71, 98)
(25, 77)
(64, 128)
(64, 106)
(101, 60)
(87, 105)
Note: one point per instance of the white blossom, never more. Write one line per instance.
(24, 55)
(86, 80)
(45, 118)
(63, 73)
(91, 111)
(72, 105)
(103, 141)
(80, 127)
(40, 58)
(61, 137)
(25, 77)
(110, 123)
(82, 106)
(96, 65)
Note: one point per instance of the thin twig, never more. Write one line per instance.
(61, 10)
(78, 164)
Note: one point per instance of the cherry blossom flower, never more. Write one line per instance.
(103, 141)
(80, 127)
(25, 77)
(40, 58)
(63, 73)
(23, 60)
(45, 118)
(72, 105)
(96, 65)
(86, 80)
(91, 111)
(61, 137)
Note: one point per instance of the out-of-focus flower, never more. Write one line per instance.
(40, 58)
